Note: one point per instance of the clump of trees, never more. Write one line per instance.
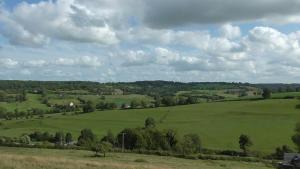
(59, 138)
(106, 106)
(173, 101)
(296, 137)
(150, 138)
(280, 151)
(266, 93)
(17, 114)
(101, 147)
(86, 138)
(245, 143)
(88, 107)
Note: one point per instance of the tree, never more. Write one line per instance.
(182, 101)
(25, 139)
(86, 138)
(150, 122)
(157, 101)
(22, 96)
(3, 96)
(171, 136)
(296, 136)
(169, 101)
(133, 139)
(109, 138)
(3, 112)
(101, 106)
(266, 94)
(144, 104)
(88, 107)
(155, 139)
(185, 146)
(123, 106)
(280, 151)
(101, 147)
(134, 104)
(59, 138)
(191, 100)
(245, 143)
(196, 142)
(69, 138)
(189, 144)
(111, 106)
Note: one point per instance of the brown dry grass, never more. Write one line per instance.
(25, 158)
(34, 162)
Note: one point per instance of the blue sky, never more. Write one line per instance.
(132, 40)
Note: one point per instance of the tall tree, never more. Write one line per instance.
(266, 94)
(245, 143)
(86, 138)
(69, 138)
(150, 122)
(59, 138)
(296, 136)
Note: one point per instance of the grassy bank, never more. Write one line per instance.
(22, 158)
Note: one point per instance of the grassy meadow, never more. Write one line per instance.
(269, 123)
(33, 101)
(22, 158)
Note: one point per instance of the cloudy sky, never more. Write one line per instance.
(254, 41)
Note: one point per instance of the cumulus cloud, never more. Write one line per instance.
(8, 62)
(139, 35)
(84, 61)
(35, 63)
(34, 24)
(259, 53)
(136, 58)
(230, 32)
(170, 13)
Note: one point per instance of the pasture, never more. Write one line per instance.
(33, 101)
(269, 123)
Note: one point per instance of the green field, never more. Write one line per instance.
(22, 158)
(269, 123)
(33, 101)
(286, 94)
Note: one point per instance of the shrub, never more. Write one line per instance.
(86, 138)
(101, 147)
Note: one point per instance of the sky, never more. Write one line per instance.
(255, 41)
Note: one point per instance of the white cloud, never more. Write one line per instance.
(84, 61)
(136, 58)
(230, 32)
(134, 40)
(34, 24)
(8, 62)
(36, 63)
(165, 56)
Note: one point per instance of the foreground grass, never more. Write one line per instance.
(269, 123)
(21, 158)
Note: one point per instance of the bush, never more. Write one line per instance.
(101, 147)
(86, 138)
(280, 151)
(88, 107)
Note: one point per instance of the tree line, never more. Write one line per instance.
(147, 138)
